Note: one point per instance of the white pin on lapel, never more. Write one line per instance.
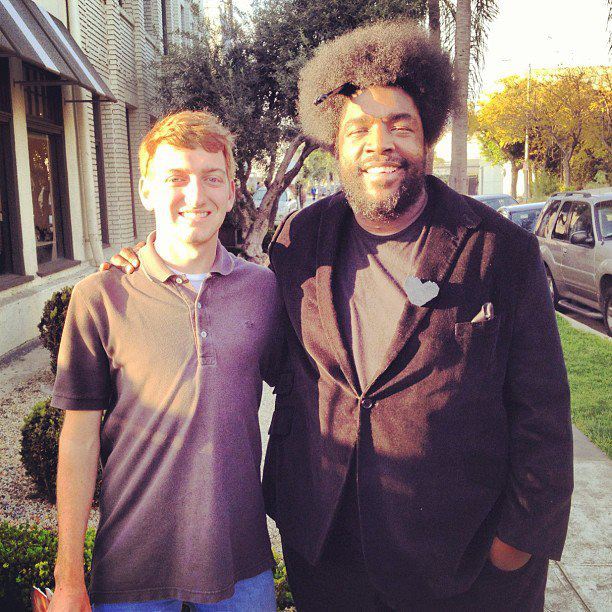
(419, 292)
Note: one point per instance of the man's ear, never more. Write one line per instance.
(232, 198)
(144, 191)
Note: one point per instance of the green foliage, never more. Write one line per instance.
(320, 167)
(284, 599)
(247, 75)
(52, 322)
(27, 559)
(589, 369)
(545, 184)
(39, 447)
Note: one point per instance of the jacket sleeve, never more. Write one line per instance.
(536, 395)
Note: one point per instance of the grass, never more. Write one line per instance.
(589, 368)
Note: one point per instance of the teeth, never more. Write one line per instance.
(194, 215)
(381, 169)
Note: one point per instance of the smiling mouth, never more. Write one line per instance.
(194, 214)
(377, 170)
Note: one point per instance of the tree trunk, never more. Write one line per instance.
(567, 173)
(433, 18)
(461, 67)
(263, 217)
(514, 180)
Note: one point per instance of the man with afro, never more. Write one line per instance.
(420, 455)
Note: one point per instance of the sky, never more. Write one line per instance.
(545, 34)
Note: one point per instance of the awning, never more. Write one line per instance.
(33, 34)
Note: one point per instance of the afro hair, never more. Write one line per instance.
(387, 53)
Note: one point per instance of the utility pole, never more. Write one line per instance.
(526, 166)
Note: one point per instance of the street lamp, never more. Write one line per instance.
(526, 169)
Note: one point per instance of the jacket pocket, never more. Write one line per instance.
(284, 386)
(477, 341)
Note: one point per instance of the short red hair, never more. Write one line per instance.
(188, 130)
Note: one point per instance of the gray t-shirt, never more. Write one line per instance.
(368, 288)
(180, 377)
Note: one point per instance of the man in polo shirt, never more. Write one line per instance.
(175, 354)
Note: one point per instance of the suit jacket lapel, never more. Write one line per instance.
(450, 225)
(327, 247)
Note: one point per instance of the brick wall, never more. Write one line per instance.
(122, 42)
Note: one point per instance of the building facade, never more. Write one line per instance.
(77, 84)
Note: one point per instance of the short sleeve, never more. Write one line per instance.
(83, 372)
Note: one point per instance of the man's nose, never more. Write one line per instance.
(379, 138)
(194, 192)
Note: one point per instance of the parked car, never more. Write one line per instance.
(575, 235)
(524, 215)
(495, 201)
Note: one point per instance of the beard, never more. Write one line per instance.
(383, 206)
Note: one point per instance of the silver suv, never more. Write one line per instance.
(575, 235)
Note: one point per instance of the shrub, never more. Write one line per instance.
(52, 322)
(39, 447)
(27, 558)
(284, 599)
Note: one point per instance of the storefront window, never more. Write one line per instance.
(44, 198)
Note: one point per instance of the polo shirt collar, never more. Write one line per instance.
(157, 269)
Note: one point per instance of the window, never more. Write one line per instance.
(6, 256)
(604, 219)
(43, 102)
(129, 152)
(7, 196)
(97, 114)
(47, 168)
(547, 219)
(562, 224)
(183, 19)
(45, 197)
(580, 219)
(164, 20)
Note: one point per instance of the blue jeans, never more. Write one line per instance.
(251, 595)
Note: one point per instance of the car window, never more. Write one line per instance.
(547, 218)
(580, 219)
(604, 217)
(525, 218)
(562, 224)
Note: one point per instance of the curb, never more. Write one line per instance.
(583, 327)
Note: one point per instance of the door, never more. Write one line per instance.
(558, 243)
(579, 259)
(6, 259)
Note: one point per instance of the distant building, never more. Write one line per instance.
(483, 177)
(76, 89)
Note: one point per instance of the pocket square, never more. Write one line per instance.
(485, 314)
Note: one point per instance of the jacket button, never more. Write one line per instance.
(367, 403)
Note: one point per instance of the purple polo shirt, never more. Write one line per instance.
(180, 377)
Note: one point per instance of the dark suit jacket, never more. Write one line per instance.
(464, 434)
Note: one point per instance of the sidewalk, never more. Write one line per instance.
(581, 581)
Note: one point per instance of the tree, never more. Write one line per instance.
(500, 126)
(461, 69)
(569, 111)
(248, 77)
(569, 119)
(464, 26)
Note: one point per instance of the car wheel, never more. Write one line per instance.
(607, 310)
(552, 287)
